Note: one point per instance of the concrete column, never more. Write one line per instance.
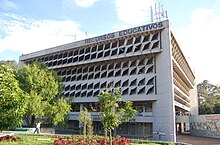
(81, 107)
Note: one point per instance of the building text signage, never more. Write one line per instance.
(149, 27)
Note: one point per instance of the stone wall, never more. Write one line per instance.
(205, 125)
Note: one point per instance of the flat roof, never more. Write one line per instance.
(101, 38)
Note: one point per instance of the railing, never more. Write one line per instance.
(95, 115)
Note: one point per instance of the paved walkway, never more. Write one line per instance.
(194, 140)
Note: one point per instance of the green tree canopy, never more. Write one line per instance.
(43, 88)
(86, 119)
(114, 110)
(13, 102)
(208, 98)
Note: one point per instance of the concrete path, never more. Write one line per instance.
(195, 140)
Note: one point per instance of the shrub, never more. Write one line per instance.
(95, 140)
(9, 138)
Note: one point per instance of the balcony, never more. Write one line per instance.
(140, 117)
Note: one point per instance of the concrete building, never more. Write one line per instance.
(146, 62)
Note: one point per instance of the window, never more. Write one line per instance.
(107, 46)
(150, 91)
(137, 40)
(100, 54)
(88, 50)
(146, 38)
(118, 73)
(97, 75)
(150, 61)
(104, 74)
(133, 91)
(73, 78)
(96, 86)
(121, 42)
(150, 69)
(78, 87)
(130, 41)
(87, 57)
(125, 83)
(121, 50)
(155, 45)
(125, 64)
(84, 86)
(125, 92)
(81, 58)
(65, 54)
(134, 82)
(118, 84)
(114, 44)
(129, 49)
(110, 74)
(141, 82)
(137, 48)
(90, 86)
(142, 70)
(146, 46)
(76, 52)
(118, 65)
(133, 63)
(93, 56)
(79, 77)
(114, 52)
(155, 36)
(107, 53)
(100, 47)
(141, 91)
(79, 70)
(103, 85)
(91, 76)
(134, 71)
(85, 70)
(70, 60)
(125, 72)
(85, 77)
(75, 59)
(73, 87)
(94, 48)
(151, 81)
(141, 62)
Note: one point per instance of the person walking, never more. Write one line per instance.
(37, 129)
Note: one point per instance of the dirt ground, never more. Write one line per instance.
(194, 140)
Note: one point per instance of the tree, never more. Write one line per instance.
(113, 114)
(43, 88)
(11, 63)
(208, 98)
(86, 119)
(13, 101)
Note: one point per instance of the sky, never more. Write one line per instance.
(31, 25)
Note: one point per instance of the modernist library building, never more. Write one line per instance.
(145, 62)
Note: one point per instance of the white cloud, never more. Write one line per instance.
(29, 35)
(6, 4)
(79, 3)
(200, 41)
(84, 3)
(133, 11)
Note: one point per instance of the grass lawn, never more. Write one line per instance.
(29, 139)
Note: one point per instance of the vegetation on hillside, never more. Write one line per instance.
(208, 98)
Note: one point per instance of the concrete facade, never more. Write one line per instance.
(148, 65)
